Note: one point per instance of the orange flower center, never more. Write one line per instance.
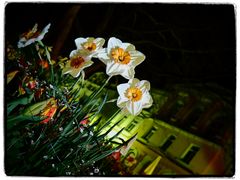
(91, 46)
(120, 56)
(134, 94)
(77, 62)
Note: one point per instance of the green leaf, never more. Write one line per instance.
(15, 103)
(14, 120)
(103, 155)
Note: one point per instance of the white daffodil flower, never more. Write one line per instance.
(32, 36)
(120, 58)
(76, 63)
(134, 96)
(89, 46)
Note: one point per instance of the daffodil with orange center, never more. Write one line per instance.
(89, 46)
(76, 64)
(134, 96)
(120, 58)
(32, 36)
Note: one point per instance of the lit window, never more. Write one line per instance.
(131, 125)
(149, 134)
(190, 153)
(168, 142)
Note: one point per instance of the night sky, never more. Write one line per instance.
(183, 43)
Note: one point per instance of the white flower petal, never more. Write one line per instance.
(133, 82)
(113, 69)
(136, 57)
(144, 85)
(131, 106)
(147, 100)
(90, 39)
(45, 30)
(112, 43)
(74, 53)
(87, 63)
(67, 68)
(23, 42)
(99, 42)
(102, 56)
(79, 42)
(75, 72)
(128, 72)
(121, 88)
(134, 107)
(124, 150)
(121, 102)
(78, 52)
(42, 34)
(128, 47)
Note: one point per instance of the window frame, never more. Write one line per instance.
(189, 150)
(168, 140)
(149, 133)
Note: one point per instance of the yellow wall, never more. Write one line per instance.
(207, 161)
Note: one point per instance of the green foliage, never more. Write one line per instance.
(62, 145)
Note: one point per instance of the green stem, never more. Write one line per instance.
(71, 88)
(91, 98)
(49, 60)
(101, 88)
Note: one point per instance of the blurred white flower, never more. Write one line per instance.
(120, 58)
(134, 96)
(124, 149)
(32, 36)
(89, 46)
(76, 64)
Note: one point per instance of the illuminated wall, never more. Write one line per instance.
(179, 150)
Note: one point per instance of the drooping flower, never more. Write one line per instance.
(89, 46)
(120, 58)
(32, 36)
(134, 96)
(76, 63)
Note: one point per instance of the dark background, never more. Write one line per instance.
(183, 43)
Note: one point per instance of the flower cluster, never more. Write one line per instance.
(51, 113)
(120, 59)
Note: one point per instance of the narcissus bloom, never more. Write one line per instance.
(89, 46)
(32, 36)
(134, 96)
(120, 58)
(76, 64)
